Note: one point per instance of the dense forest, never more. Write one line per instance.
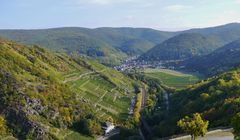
(182, 46)
(108, 45)
(220, 60)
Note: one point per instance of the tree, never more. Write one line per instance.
(90, 127)
(194, 126)
(3, 130)
(236, 126)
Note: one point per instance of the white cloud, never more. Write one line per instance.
(177, 7)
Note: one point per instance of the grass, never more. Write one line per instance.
(78, 136)
(173, 78)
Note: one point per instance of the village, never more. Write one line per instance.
(135, 63)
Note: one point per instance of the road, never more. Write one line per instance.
(219, 134)
(167, 98)
(143, 91)
(114, 132)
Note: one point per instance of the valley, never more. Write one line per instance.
(68, 83)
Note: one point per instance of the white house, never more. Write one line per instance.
(108, 127)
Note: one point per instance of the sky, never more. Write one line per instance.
(158, 14)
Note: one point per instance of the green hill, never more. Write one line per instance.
(224, 33)
(48, 96)
(222, 59)
(217, 99)
(181, 46)
(108, 45)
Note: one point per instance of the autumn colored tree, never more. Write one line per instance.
(3, 130)
(195, 126)
(137, 108)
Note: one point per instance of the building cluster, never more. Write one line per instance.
(135, 63)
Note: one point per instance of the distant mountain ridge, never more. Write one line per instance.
(220, 60)
(225, 33)
(112, 45)
(182, 46)
(193, 42)
(109, 45)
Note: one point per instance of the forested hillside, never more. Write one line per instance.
(45, 95)
(225, 33)
(222, 59)
(182, 46)
(193, 42)
(108, 45)
(217, 99)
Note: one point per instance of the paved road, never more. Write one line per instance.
(219, 134)
(114, 132)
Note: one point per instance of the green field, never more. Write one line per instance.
(103, 88)
(173, 78)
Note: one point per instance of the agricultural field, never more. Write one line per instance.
(108, 91)
(173, 78)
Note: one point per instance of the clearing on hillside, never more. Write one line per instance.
(173, 78)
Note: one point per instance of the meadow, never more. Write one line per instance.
(173, 78)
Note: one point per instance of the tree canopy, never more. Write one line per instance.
(195, 126)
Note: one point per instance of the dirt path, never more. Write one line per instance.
(80, 76)
(108, 109)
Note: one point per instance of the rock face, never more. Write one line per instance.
(33, 106)
(21, 125)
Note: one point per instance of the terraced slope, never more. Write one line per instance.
(44, 95)
(107, 90)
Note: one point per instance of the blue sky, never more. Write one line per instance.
(158, 14)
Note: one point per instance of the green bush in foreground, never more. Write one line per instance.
(194, 126)
(236, 126)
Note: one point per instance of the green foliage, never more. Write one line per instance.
(222, 59)
(109, 45)
(236, 126)
(194, 126)
(90, 127)
(43, 90)
(137, 108)
(182, 46)
(3, 127)
(216, 98)
(173, 78)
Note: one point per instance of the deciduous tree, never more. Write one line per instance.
(194, 126)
